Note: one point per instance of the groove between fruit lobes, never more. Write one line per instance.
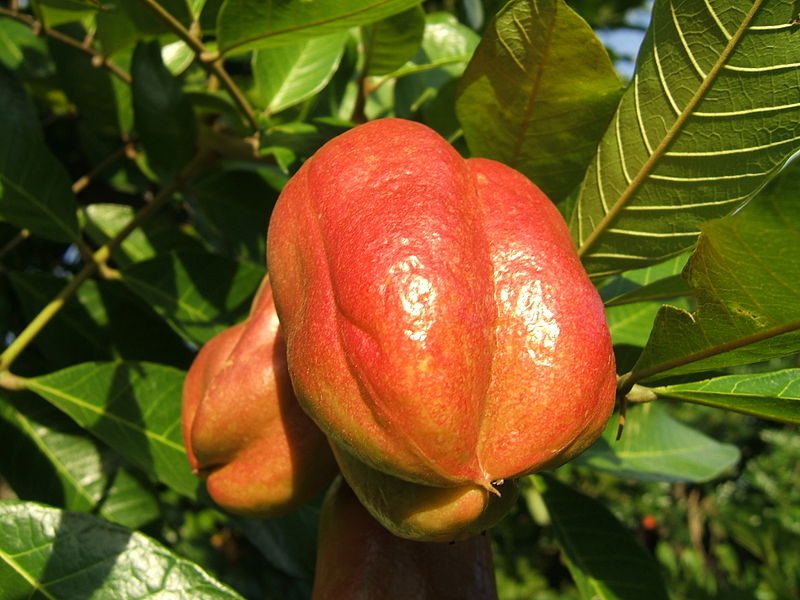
(359, 560)
(425, 513)
(243, 429)
(439, 324)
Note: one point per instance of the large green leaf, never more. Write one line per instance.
(35, 190)
(746, 278)
(656, 447)
(72, 470)
(133, 407)
(774, 395)
(288, 74)
(199, 294)
(604, 559)
(163, 115)
(391, 42)
(251, 24)
(539, 93)
(710, 115)
(52, 554)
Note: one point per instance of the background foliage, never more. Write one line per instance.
(143, 145)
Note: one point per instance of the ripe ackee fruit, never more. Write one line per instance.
(359, 560)
(244, 432)
(440, 327)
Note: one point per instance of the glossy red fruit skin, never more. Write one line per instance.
(439, 324)
(357, 559)
(244, 432)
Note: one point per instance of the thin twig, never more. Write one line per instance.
(23, 235)
(83, 182)
(98, 60)
(210, 61)
(100, 256)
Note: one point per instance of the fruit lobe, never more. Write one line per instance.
(357, 559)
(244, 432)
(426, 513)
(439, 324)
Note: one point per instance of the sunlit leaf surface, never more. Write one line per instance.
(713, 110)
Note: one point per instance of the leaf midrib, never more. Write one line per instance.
(311, 25)
(669, 137)
(40, 388)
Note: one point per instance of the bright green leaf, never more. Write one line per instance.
(286, 75)
(198, 294)
(426, 85)
(539, 93)
(163, 115)
(603, 557)
(73, 471)
(391, 42)
(709, 117)
(656, 447)
(251, 24)
(23, 51)
(54, 554)
(177, 57)
(35, 190)
(133, 407)
(746, 278)
(774, 395)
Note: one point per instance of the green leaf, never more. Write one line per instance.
(124, 22)
(746, 278)
(286, 75)
(636, 297)
(539, 93)
(774, 395)
(252, 24)
(49, 553)
(391, 42)
(658, 282)
(426, 85)
(709, 117)
(90, 89)
(288, 543)
(72, 470)
(35, 190)
(157, 236)
(23, 51)
(163, 115)
(198, 294)
(134, 407)
(656, 447)
(104, 321)
(604, 559)
(236, 225)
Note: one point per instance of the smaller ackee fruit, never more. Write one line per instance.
(244, 432)
(357, 559)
